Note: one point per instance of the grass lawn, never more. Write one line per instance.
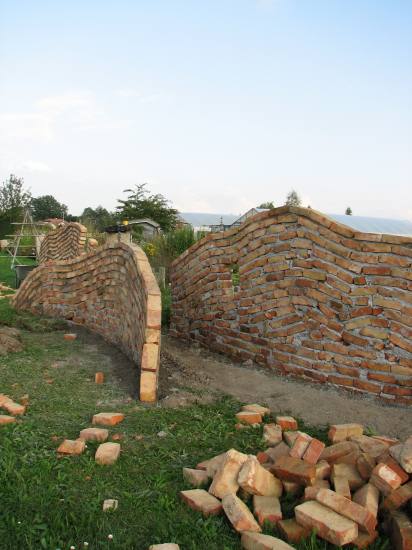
(54, 503)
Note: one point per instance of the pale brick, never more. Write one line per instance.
(349, 472)
(329, 525)
(110, 504)
(368, 497)
(258, 541)
(202, 501)
(165, 546)
(330, 454)
(211, 465)
(195, 478)
(291, 487)
(94, 434)
(406, 455)
(385, 479)
(239, 514)
(272, 434)
(341, 485)
(341, 432)
(107, 453)
(267, 508)
(254, 479)
(225, 479)
(290, 437)
(253, 407)
(108, 418)
(275, 452)
(13, 408)
(347, 508)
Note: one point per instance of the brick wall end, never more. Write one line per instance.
(112, 291)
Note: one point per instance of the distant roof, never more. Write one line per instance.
(375, 225)
(197, 219)
(360, 223)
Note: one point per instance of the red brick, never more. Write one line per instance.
(288, 468)
(287, 422)
(267, 508)
(313, 452)
(239, 514)
(202, 501)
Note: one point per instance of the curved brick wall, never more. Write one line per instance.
(112, 291)
(63, 243)
(316, 300)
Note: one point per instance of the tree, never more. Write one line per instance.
(268, 205)
(13, 199)
(293, 199)
(98, 218)
(348, 211)
(13, 195)
(141, 204)
(47, 206)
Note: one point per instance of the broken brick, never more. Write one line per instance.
(110, 504)
(287, 422)
(254, 479)
(272, 434)
(368, 497)
(385, 479)
(225, 478)
(248, 417)
(239, 514)
(94, 434)
(341, 432)
(202, 501)
(71, 447)
(263, 411)
(288, 468)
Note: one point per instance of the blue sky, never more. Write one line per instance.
(219, 105)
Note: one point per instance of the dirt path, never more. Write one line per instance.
(185, 366)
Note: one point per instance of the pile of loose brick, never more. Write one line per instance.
(348, 491)
(14, 409)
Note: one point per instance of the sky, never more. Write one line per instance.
(219, 105)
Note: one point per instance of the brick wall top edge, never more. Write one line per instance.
(309, 213)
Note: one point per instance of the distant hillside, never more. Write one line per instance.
(197, 219)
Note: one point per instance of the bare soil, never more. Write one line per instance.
(187, 367)
(191, 374)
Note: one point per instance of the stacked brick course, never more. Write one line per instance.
(112, 291)
(63, 243)
(316, 300)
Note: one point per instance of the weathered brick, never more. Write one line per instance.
(300, 445)
(288, 468)
(292, 531)
(263, 411)
(225, 479)
(349, 472)
(71, 447)
(254, 479)
(341, 432)
(108, 419)
(287, 422)
(351, 510)
(94, 434)
(202, 501)
(398, 498)
(385, 479)
(195, 478)
(107, 453)
(329, 525)
(249, 417)
(313, 452)
(239, 514)
(272, 434)
(267, 508)
(258, 541)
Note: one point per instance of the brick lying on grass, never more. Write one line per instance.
(5, 419)
(108, 418)
(239, 514)
(287, 422)
(13, 408)
(72, 447)
(94, 434)
(330, 526)
(202, 501)
(253, 407)
(107, 453)
(110, 504)
(165, 546)
(195, 478)
(249, 417)
(257, 541)
(267, 509)
(350, 510)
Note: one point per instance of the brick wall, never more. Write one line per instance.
(110, 290)
(63, 242)
(317, 300)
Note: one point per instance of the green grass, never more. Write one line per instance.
(51, 503)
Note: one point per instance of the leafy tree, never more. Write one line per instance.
(141, 204)
(268, 205)
(293, 199)
(98, 218)
(13, 195)
(47, 206)
(13, 199)
(348, 211)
